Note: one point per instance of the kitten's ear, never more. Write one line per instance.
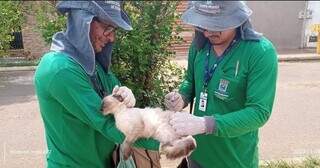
(118, 97)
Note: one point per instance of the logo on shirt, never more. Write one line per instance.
(223, 85)
(221, 93)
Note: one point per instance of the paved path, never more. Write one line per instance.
(292, 131)
(22, 142)
(294, 127)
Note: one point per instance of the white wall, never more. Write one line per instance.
(278, 21)
(314, 6)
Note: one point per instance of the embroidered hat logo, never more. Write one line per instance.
(114, 4)
(209, 8)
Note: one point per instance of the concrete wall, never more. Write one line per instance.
(278, 20)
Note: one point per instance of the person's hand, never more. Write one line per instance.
(174, 101)
(187, 124)
(128, 98)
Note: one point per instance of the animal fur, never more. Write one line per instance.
(145, 123)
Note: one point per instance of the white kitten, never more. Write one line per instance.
(145, 123)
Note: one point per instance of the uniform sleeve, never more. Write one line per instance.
(187, 85)
(73, 90)
(261, 87)
(110, 81)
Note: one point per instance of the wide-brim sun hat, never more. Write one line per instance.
(216, 15)
(108, 11)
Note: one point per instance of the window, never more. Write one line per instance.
(17, 42)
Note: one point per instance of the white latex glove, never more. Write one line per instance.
(173, 101)
(187, 124)
(128, 98)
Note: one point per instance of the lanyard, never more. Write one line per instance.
(97, 84)
(208, 73)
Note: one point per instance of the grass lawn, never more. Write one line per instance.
(16, 61)
(310, 162)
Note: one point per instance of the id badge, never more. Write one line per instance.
(203, 101)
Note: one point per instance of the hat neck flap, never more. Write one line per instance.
(75, 42)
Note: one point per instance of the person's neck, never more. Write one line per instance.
(219, 49)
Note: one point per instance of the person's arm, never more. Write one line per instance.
(177, 100)
(187, 86)
(73, 90)
(261, 87)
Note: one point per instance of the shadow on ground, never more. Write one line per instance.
(16, 87)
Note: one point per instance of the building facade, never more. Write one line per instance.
(286, 23)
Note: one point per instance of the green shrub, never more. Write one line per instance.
(141, 57)
(49, 20)
(11, 21)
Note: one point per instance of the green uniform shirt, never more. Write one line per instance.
(77, 134)
(240, 98)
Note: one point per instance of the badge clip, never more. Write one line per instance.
(203, 101)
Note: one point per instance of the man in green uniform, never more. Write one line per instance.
(232, 72)
(72, 78)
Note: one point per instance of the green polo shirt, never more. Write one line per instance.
(240, 98)
(77, 133)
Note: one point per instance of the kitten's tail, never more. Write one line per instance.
(179, 148)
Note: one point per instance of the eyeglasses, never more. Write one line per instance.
(202, 30)
(108, 29)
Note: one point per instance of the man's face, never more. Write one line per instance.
(101, 33)
(219, 37)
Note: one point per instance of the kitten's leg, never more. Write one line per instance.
(131, 136)
(165, 134)
(179, 148)
(127, 150)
